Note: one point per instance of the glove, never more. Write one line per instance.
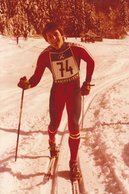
(85, 89)
(24, 83)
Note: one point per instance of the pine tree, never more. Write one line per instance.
(76, 16)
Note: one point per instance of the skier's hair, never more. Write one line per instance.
(50, 26)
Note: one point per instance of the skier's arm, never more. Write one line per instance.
(90, 64)
(85, 89)
(40, 67)
(24, 83)
(84, 55)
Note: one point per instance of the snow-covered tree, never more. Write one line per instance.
(76, 16)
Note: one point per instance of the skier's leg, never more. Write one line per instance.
(73, 106)
(74, 141)
(56, 107)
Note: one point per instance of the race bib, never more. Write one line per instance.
(63, 65)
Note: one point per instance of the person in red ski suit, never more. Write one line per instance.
(63, 60)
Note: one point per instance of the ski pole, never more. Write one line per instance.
(82, 110)
(18, 133)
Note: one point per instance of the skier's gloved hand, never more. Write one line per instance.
(24, 83)
(85, 89)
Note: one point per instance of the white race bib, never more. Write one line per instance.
(63, 65)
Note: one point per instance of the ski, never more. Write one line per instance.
(51, 169)
(75, 187)
(78, 184)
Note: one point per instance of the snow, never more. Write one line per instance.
(104, 148)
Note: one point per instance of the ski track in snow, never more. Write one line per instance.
(107, 140)
(103, 153)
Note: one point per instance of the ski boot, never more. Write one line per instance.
(75, 173)
(53, 150)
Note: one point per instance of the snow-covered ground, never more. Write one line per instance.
(104, 148)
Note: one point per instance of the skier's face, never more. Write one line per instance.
(55, 39)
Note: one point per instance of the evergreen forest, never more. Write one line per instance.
(106, 18)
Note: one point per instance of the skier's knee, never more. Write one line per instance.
(74, 134)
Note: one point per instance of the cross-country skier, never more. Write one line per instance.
(63, 61)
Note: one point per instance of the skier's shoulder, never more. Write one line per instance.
(45, 52)
(75, 45)
(78, 48)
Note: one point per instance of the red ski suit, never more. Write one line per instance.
(64, 65)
